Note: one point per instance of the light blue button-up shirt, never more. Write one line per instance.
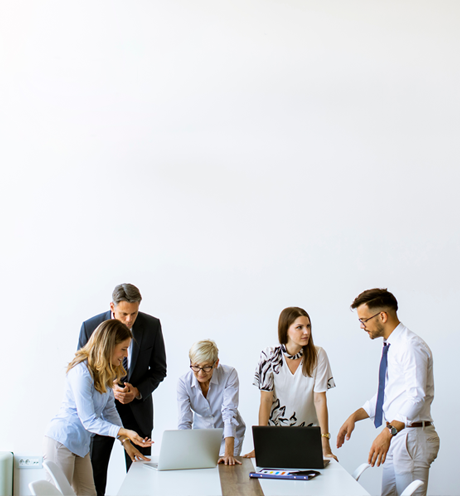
(218, 409)
(83, 413)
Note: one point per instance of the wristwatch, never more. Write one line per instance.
(393, 430)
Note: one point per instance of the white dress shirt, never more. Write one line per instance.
(130, 349)
(218, 409)
(83, 411)
(409, 383)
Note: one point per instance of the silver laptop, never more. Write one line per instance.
(190, 448)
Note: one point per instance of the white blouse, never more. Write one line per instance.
(293, 394)
(218, 409)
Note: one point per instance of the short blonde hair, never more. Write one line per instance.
(204, 351)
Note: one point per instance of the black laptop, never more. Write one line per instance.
(288, 447)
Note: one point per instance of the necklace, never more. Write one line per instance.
(292, 357)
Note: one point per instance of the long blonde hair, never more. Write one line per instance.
(98, 351)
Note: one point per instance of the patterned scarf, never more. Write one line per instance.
(292, 357)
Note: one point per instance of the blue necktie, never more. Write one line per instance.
(125, 366)
(382, 372)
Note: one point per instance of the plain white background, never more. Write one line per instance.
(230, 158)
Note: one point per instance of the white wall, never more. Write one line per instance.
(230, 158)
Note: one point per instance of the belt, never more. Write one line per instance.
(424, 423)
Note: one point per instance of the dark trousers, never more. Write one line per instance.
(101, 448)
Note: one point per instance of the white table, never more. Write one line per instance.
(333, 481)
(145, 481)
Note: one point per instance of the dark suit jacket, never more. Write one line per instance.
(148, 362)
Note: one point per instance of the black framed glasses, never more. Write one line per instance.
(363, 321)
(206, 369)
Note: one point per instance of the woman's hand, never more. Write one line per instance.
(133, 452)
(228, 460)
(330, 455)
(252, 454)
(135, 438)
(327, 453)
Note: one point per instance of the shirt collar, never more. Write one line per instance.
(394, 337)
(214, 378)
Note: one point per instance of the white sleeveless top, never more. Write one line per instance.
(293, 399)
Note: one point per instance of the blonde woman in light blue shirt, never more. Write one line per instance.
(89, 407)
(207, 398)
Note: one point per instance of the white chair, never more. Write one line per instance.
(44, 488)
(412, 487)
(59, 479)
(359, 471)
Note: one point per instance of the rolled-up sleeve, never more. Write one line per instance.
(83, 388)
(185, 415)
(415, 367)
(230, 404)
(369, 406)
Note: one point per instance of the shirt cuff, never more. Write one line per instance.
(229, 429)
(369, 409)
(114, 431)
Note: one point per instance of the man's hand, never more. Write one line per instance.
(349, 426)
(345, 431)
(125, 394)
(379, 448)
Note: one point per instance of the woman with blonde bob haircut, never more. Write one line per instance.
(293, 378)
(207, 397)
(89, 407)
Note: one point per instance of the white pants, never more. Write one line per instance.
(411, 453)
(77, 470)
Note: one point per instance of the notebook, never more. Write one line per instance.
(284, 474)
(288, 447)
(186, 449)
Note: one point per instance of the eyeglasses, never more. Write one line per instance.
(206, 369)
(363, 321)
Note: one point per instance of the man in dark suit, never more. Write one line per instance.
(146, 366)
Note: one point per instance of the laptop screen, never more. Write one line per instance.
(288, 447)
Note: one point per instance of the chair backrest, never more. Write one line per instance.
(59, 479)
(359, 471)
(412, 487)
(44, 488)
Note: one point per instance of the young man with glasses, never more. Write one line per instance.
(408, 442)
